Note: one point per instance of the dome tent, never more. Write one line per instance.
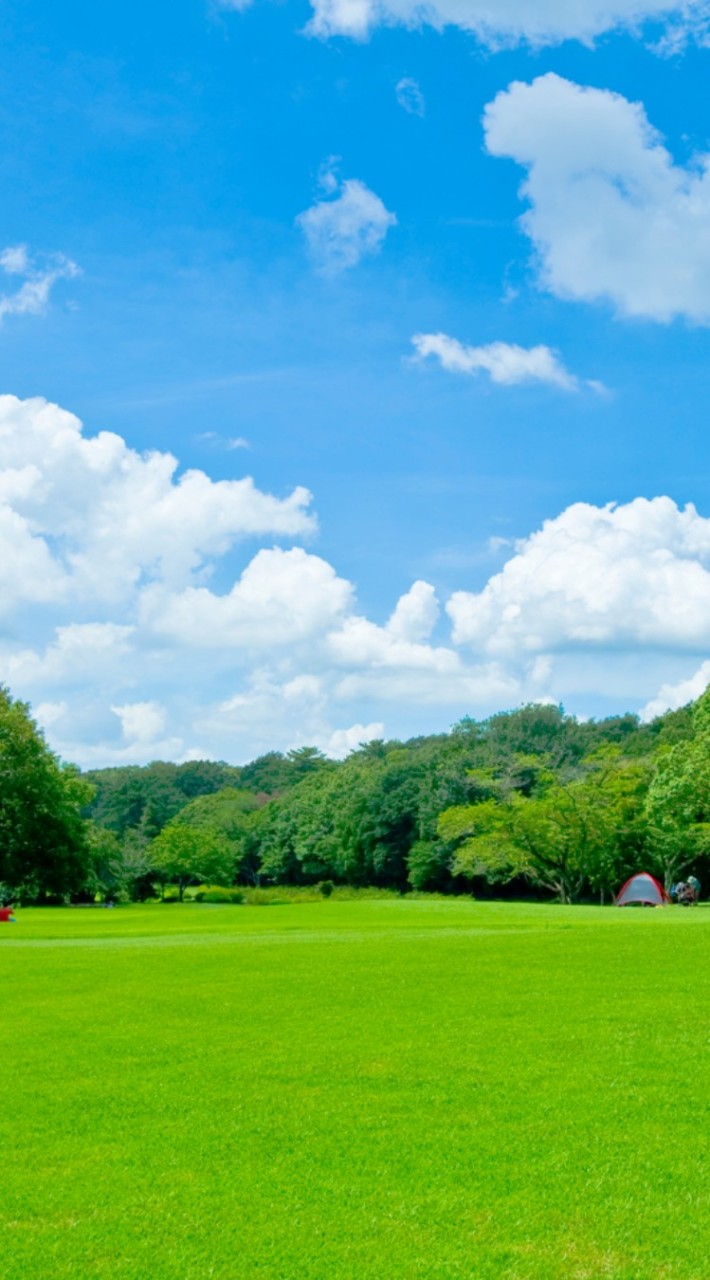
(642, 890)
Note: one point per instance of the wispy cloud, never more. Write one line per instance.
(224, 442)
(342, 230)
(410, 96)
(511, 22)
(32, 297)
(504, 362)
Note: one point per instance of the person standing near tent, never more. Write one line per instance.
(694, 884)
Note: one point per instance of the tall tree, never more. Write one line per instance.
(43, 844)
(231, 813)
(678, 804)
(182, 855)
(568, 838)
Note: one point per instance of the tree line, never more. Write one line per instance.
(530, 801)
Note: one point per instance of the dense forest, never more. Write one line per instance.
(527, 802)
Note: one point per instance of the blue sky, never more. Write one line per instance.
(222, 234)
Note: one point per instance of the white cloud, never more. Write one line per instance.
(504, 362)
(612, 218)
(615, 577)
(415, 614)
(454, 687)
(76, 653)
(270, 712)
(343, 741)
(601, 602)
(341, 231)
(361, 643)
(410, 96)
(672, 696)
(224, 442)
(15, 260)
(50, 713)
(32, 297)
(395, 662)
(88, 518)
(401, 643)
(507, 22)
(282, 598)
(141, 722)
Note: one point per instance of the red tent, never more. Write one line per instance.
(642, 890)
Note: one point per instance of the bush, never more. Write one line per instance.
(235, 896)
(269, 897)
(325, 887)
(284, 894)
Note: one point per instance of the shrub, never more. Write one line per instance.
(284, 894)
(235, 896)
(268, 897)
(325, 887)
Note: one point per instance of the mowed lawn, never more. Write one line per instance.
(355, 1091)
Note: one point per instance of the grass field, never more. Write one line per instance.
(371, 1090)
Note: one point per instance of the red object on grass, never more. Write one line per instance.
(6, 914)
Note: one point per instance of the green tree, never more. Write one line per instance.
(137, 868)
(566, 838)
(106, 871)
(183, 855)
(229, 812)
(428, 865)
(305, 760)
(44, 849)
(145, 798)
(678, 804)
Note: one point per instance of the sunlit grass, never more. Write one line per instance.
(355, 1091)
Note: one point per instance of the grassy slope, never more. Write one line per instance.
(355, 1091)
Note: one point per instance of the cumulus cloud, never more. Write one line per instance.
(342, 230)
(361, 643)
(672, 696)
(88, 517)
(410, 96)
(401, 643)
(282, 598)
(415, 614)
(76, 651)
(604, 602)
(141, 721)
(398, 663)
(611, 216)
(621, 577)
(504, 362)
(32, 297)
(509, 22)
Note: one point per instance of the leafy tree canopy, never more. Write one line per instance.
(183, 854)
(44, 849)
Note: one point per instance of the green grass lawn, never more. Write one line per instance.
(370, 1090)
